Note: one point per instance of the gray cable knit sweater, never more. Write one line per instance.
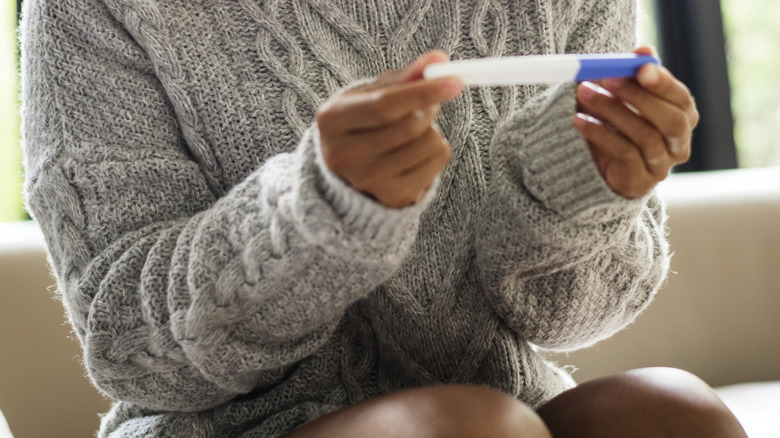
(223, 282)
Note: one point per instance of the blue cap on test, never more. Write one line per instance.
(598, 67)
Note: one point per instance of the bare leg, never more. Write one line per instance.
(447, 411)
(651, 402)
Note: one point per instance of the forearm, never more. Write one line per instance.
(202, 308)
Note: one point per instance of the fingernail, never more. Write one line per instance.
(649, 75)
(582, 119)
(588, 90)
(578, 121)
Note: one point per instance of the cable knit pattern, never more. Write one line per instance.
(224, 282)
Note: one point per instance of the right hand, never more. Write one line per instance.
(381, 138)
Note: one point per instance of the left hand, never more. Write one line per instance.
(637, 128)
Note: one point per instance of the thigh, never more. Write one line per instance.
(451, 411)
(651, 402)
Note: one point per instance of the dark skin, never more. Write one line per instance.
(637, 128)
(646, 403)
(382, 140)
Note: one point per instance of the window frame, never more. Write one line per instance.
(693, 46)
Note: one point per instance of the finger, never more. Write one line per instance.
(658, 80)
(670, 120)
(385, 106)
(386, 138)
(620, 163)
(646, 50)
(390, 165)
(651, 144)
(408, 184)
(414, 71)
(411, 72)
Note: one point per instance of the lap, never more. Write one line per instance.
(655, 402)
(650, 402)
(451, 411)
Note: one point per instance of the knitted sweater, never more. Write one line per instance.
(224, 282)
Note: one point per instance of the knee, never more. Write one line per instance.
(455, 411)
(683, 401)
(659, 402)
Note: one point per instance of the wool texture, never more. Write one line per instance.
(223, 282)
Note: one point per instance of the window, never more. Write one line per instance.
(10, 153)
(727, 53)
(648, 27)
(753, 53)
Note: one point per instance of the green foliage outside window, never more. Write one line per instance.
(753, 51)
(10, 166)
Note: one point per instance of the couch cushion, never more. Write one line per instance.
(757, 405)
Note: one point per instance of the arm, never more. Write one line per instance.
(181, 300)
(565, 260)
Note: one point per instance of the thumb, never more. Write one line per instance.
(646, 50)
(414, 71)
(411, 72)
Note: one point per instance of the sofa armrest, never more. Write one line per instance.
(43, 388)
(718, 314)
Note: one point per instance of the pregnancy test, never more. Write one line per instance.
(540, 69)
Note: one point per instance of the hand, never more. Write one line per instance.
(381, 139)
(637, 128)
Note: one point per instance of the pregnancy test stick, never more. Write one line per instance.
(540, 69)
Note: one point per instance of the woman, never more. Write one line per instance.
(254, 238)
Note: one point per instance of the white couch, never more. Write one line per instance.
(717, 316)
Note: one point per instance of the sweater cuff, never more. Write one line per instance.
(557, 166)
(358, 211)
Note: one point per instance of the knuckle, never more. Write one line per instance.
(679, 125)
(684, 153)
(326, 111)
(656, 158)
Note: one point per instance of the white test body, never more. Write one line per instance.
(539, 69)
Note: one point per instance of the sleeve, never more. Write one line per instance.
(181, 299)
(564, 260)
